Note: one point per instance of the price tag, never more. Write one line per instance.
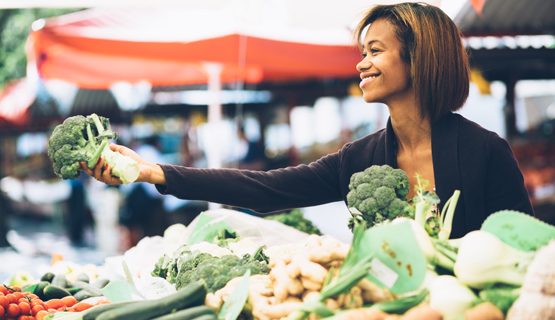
(383, 273)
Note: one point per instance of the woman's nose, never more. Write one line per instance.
(364, 64)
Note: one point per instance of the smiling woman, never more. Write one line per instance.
(415, 63)
(430, 45)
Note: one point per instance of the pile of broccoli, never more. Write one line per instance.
(378, 194)
(214, 271)
(85, 139)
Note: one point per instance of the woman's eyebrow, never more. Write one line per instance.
(369, 43)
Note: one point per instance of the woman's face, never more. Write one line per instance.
(385, 76)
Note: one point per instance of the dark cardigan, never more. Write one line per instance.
(466, 157)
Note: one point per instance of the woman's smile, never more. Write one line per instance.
(367, 78)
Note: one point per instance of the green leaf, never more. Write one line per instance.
(398, 262)
(236, 301)
(519, 230)
(207, 229)
(30, 288)
(119, 291)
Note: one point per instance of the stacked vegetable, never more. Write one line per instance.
(188, 265)
(27, 305)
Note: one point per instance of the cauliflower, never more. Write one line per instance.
(378, 194)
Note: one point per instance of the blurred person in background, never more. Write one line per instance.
(255, 158)
(414, 62)
(78, 213)
(142, 212)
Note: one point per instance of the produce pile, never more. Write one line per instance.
(401, 264)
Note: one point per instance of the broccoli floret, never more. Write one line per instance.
(216, 272)
(86, 139)
(378, 194)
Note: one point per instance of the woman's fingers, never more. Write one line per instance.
(98, 169)
(101, 172)
(108, 178)
(85, 168)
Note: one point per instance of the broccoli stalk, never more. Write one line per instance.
(85, 139)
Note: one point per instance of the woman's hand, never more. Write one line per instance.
(148, 172)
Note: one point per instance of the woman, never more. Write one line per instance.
(415, 63)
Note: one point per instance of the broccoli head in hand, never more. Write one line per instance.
(85, 139)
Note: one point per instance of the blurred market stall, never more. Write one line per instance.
(513, 42)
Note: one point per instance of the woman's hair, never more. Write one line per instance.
(432, 47)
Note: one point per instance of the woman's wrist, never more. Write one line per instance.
(157, 175)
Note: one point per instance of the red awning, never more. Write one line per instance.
(15, 99)
(97, 47)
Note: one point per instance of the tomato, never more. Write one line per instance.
(16, 288)
(4, 302)
(2, 311)
(12, 310)
(24, 308)
(11, 298)
(41, 314)
(82, 306)
(39, 303)
(18, 295)
(102, 301)
(69, 301)
(33, 296)
(70, 309)
(55, 304)
(35, 309)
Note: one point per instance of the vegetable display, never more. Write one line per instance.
(86, 139)
(402, 267)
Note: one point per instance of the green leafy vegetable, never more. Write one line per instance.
(296, 219)
(501, 297)
(186, 267)
(216, 272)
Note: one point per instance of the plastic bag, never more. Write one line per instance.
(258, 230)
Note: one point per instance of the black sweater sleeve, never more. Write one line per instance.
(261, 191)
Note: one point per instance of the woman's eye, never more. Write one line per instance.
(364, 54)
(374, 51)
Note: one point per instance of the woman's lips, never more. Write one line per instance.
(368, 79)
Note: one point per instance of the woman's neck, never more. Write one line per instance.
(412, 131)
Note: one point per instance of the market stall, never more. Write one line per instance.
(230, 265)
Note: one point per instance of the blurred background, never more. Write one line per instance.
(257, 84)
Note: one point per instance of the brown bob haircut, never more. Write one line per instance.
(433, 48)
